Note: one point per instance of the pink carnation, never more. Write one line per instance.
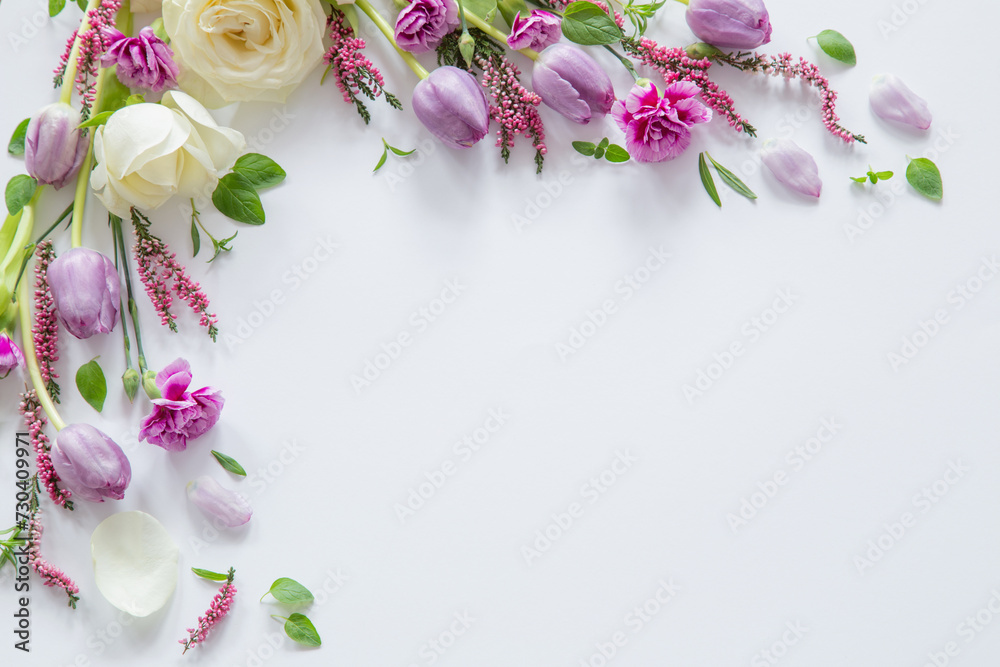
(180, 415)
(536, 31)
(422, 24)
(658, 128)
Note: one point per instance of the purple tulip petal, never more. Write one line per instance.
(892, 100)
(792, 166)
(227, 507)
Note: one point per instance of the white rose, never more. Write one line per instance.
(239, 50)
(146, 153)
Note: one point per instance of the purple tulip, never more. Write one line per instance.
(90, 464)
(86, 290)
(142, 62)
(53, 146)
(538, 31)
(736, 24)
(892, 100)
(572, 83)
(10, 355)
(227, 507)
(792, 166)
(452, 105)
(422, 24)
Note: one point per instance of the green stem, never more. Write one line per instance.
(116, 224)
(390, 35)
(69, 76)
(121, 311)
(28, 343)
(624, 61)
(62, 216)
(83, 177)
(23, 233)
(496, 34)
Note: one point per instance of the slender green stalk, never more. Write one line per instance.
(624, 61)
(69, 77)
(116, 224)
(83, 177)
(28, 343)
(62, 216)
(390, 35)
(23, 233)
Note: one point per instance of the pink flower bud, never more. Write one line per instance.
(736, 24)
(792, 166)
(10, 355)
(539, 30)
(451, 104)
(572, 83)
(90, 464)
(53, 146)
(892, 100)
(86, 290)
(229, 508)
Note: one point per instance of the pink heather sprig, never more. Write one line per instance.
(674, 64)
(353, 72)
(49, 574)
(514, 108)
(34, 418)
(93, 42)
(216, 612)
(45, 330)
(157, 266)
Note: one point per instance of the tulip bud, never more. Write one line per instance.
(229, 508)
(130, 380)
(10, 355)
(572, 83)
(736, 24)
(53, 146)
(451, 104)
(792, 166)
(90, 464)
(467, 47)
(892, 100)
(85, 290)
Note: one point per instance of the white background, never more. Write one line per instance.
(340, 460)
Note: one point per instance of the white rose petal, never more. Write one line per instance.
(135, 562)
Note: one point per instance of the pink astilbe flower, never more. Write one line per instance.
(93, 43)
(217, 610)
(34, 417)
(353, 72)
(658, 128)
(513, 107)
(49, 574)
(45, 330)
(157, 266)
(180, 415)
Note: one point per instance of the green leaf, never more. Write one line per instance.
(584, 147)
(381, 160)
(858, 179)
(400, 152)
(289, 591)
(604, 143)
(82, 4)
(884, 175)
(598, 152)
(707, 180)
(230, 464)
(115, 93)
(92, 385)
(837, 47)
(616, 153)
(484, 9)
(20, 190)
(732, 180)
(208, 574)
(96, 119)
(260, 170)
(510, 8)
(16, 145)
(195, 238)
(56, 6)
(137, 98)
(925, 178)
(300, 629)
(236, 198)
(586, 23)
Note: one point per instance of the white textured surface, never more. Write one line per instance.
(349, 262)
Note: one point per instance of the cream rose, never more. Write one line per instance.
(146, 153)
(240, 50)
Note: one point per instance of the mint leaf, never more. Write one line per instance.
(586, 23)
(289, 591)
(16, 145)
(925, 178)
(208, 574)
(858, 179)
(195, 238)
(584, 148)
(381, 160)
(730, 179)
(92, 385)
(883, 175)
(236, 198)
(230, 464)
(837, 47)
(616, 153)
(707, 180)
(96, 119)
(260, 170)
(300, 629)
(20, 190)
(56, 6)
